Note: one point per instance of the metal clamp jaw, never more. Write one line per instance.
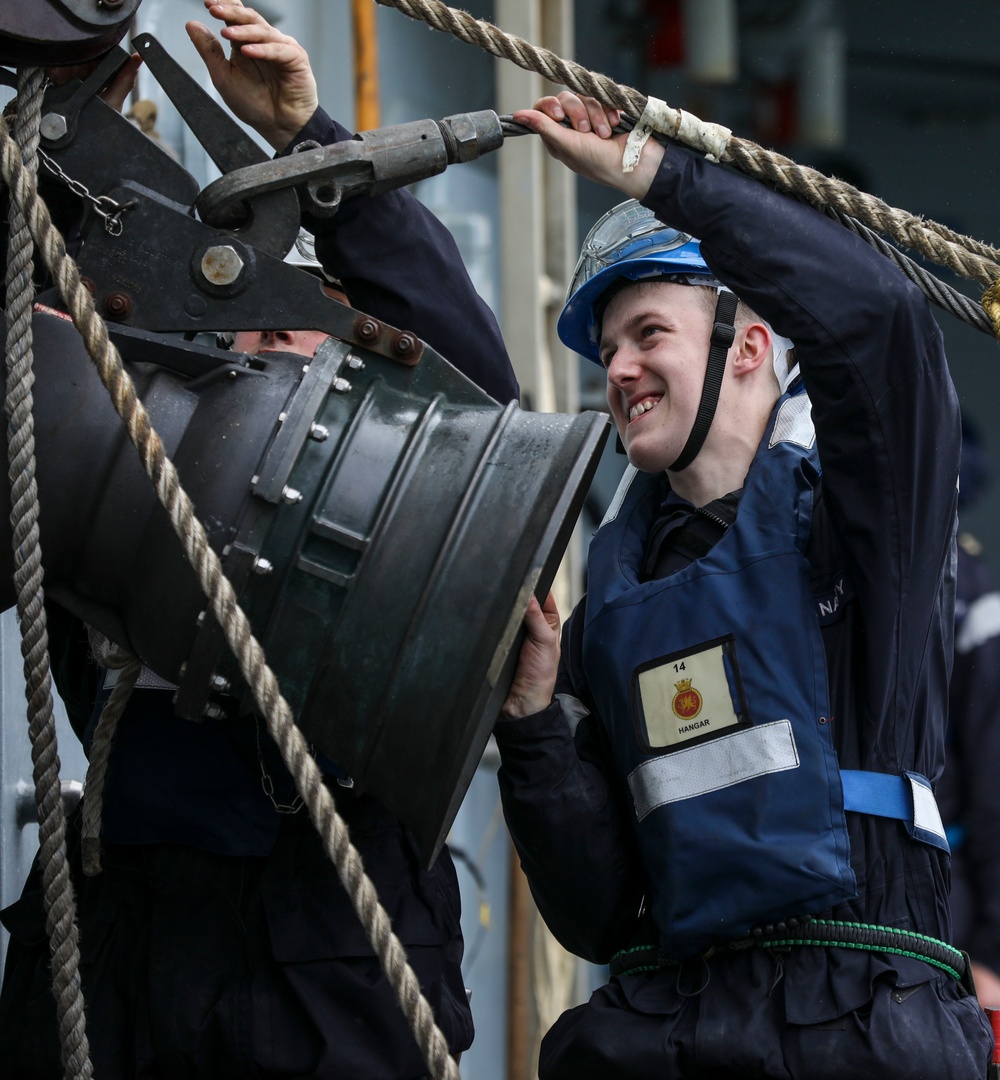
(226, 270)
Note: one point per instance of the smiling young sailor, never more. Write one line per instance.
(741, 734)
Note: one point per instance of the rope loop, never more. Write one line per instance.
(113, 657)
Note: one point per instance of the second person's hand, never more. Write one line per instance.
(267, 80)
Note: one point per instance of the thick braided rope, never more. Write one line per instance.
(128, 668)
(965, 256)
(544, 62)
(60, 908)
(224, 606)
(944, 296)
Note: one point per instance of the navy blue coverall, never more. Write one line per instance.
(219, 941)
(968, 794)
(887, 428)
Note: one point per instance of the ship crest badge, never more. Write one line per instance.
(687, 701)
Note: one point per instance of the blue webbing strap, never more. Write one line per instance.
(886, 795)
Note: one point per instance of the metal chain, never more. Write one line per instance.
(104, 206)
(267, 781)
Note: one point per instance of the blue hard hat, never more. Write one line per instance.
(629, 242)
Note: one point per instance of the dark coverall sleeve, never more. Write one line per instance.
(568, 818)
(886, 416)
(421, 283)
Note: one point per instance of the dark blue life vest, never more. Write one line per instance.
(713, 685)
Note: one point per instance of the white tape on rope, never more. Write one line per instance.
(657, 116)
(709, 139)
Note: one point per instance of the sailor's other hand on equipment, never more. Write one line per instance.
(589, 146)
(267, 80)
(535, 678)
(116, 91)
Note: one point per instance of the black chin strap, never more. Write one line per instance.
(723, 335)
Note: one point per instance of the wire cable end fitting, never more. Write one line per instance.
(991, 305)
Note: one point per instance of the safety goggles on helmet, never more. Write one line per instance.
(629, 242)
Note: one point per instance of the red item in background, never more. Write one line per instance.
(665, 47)
(775, 111)
(994, 1018)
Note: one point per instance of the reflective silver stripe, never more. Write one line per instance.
(631, 472)
(148, 680)
(926, 814)
(573, 709)
(981, 622)
(713, 765)
(793, 423)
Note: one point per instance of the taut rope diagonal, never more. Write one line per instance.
(225, 607)
(965, 256)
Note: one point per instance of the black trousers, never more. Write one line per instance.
(739, 1015)
(208, 966)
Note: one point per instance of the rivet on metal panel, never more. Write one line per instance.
(368, 329)
(404, 345)
(118, 305)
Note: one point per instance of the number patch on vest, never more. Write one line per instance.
(688, 696)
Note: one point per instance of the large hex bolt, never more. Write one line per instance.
(221, 264)
(53, 126)
(470, 135)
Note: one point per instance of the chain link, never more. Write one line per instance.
(105, 207)
(267, 781)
